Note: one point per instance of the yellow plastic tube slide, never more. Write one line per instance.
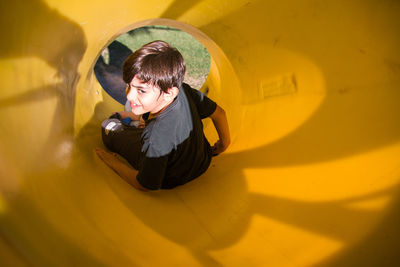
(312, 178)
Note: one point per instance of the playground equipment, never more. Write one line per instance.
(312, 177)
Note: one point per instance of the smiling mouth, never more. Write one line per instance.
(133, 105)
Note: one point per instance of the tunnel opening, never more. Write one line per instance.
(108, 67)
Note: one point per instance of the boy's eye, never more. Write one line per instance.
(141, 91)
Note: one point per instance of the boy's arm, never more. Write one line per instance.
(133, 117)
(127, 173)
(221, 125)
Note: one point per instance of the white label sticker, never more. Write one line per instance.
(109, 127)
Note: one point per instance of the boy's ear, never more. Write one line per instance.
(171, 93)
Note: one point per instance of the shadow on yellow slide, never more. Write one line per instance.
(312, 178)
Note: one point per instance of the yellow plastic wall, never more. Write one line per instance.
(312, 178)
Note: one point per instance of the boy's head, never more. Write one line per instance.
(156, 63)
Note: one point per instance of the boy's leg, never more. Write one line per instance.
(123, 140)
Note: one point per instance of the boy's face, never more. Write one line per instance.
(144, 97)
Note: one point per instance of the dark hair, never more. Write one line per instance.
(158, 63)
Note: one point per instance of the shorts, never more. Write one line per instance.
(122, 139)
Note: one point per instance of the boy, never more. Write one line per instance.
(167, 148)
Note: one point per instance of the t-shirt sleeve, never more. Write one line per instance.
(152, 172)
(205, 106)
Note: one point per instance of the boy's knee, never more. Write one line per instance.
(109, 130)
(111, 126)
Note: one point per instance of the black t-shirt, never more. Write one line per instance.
(174, 147)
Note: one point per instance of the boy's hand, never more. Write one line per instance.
(124, 114)
(219, 147)
(129, 114)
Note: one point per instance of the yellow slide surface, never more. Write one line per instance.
(312, 178)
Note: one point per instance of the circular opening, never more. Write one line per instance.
(108, 68)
